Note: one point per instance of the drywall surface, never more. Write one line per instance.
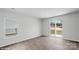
(1, 27)
(71, 26)
(28, 27)
(45, 27)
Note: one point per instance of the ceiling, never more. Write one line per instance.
(44, 12)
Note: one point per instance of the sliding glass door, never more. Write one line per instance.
(56, 27)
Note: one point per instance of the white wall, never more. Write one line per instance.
(45, 27)
(29, 27)
(1, 27)
(71, 26)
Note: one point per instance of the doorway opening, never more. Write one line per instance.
(56, 27)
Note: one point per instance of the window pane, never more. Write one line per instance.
(58, 32)
(52, 31)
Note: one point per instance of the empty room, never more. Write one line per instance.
(39, 28)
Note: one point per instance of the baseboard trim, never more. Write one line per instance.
(43, 36)
(72, 40)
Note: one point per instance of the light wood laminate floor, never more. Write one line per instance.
(44, 43)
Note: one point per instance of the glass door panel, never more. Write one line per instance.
(56, 27)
